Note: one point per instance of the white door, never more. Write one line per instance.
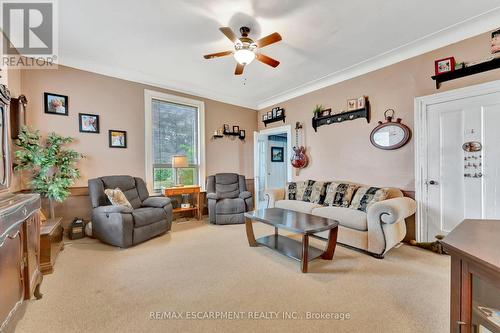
(460, 184)
(260, 172)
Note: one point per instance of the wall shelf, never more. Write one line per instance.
(466, 71)
(228, 134)
(273, 120)
(341, 117)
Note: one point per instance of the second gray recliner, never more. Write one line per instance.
(228, 198)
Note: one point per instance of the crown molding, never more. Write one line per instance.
(468, 28)
(174, 87)
(471, 27)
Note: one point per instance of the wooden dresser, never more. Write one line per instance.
(474, 246)
(20, 275)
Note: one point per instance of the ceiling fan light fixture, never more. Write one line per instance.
(244, 56)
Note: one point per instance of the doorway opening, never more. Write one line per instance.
(272, 161)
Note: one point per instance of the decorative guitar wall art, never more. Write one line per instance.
(299, 158)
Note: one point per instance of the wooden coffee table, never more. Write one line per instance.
(301, 223)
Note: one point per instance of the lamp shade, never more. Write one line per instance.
(179, 161)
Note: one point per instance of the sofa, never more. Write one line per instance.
(370, 218)
(228, 198)
(122, 226)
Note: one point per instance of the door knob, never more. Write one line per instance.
(433, 182)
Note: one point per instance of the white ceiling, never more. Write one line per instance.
(161, 42)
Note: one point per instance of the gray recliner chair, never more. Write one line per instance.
(228, 198)
(122, 226)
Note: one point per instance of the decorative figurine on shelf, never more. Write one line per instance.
(495, 42)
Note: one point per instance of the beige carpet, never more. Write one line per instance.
(202, 267)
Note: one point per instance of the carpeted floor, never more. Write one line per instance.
(202, 267)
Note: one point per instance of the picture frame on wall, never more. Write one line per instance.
(361, 102)
(88, 123)
(277, 154)
(236, 129)
(326, 113)
(55, 104)
(444, 65)
(269, 115)
(242, 134)
(264, 117)
(117, 139)
(279, 113)
(226, 128)
(352, 104)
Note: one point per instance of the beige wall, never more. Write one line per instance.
(120, 105)
(344, 151)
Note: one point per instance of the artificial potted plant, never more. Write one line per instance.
(317, 110)
(52, 166)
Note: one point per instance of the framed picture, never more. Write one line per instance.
(56, 104)
(226, 128)
(326, 113)
(444, 65)
(279, 113)
(277, 154)
(352, 104)
(117, 139)
(361, 102)
(89, 123)
(270, 115)
(242, 134)
(264, 117)
(236, 129)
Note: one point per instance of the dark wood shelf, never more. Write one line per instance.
(288, 247)
(269, 121)
(466, 71)
(228, 134)
(344, 116)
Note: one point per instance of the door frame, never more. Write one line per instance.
(270, 131)
(420, 143)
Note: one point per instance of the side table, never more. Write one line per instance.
(195, 191)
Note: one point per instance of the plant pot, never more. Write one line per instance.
(48, 207)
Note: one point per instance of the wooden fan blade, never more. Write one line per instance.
(229, 33)
(267, 60)
(239, 69)
(217, 55)
(270, 39)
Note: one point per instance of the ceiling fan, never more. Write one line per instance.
(246, 49)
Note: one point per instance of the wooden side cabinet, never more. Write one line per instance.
(51, 243)
(20, 276)
(474, 247)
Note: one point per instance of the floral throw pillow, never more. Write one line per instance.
(117, 198)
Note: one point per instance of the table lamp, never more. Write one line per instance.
(178, 161)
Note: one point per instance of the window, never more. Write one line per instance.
(174, 127)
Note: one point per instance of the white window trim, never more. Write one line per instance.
(149, 95)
